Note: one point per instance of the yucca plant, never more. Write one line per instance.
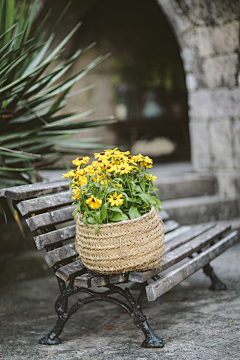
(31, 98)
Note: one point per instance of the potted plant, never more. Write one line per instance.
(118, 224)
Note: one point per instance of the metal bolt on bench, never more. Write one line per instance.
(45, 205)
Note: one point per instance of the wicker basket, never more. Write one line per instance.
(123, 246)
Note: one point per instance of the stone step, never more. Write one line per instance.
(201, 209)
(188, 185)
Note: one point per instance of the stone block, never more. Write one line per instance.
(214, 103)
(174, 13)
(221, 70)
(201, 209)
(236, 141)
(176, 187)
(205, 12)
(200, 146)
(221, 143)
(191, 82)
(228, 182)
(218, 39)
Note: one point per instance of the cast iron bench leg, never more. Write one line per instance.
(151, 339)
(134, 310)
(217, 284)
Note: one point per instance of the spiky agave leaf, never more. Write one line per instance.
(31, 99)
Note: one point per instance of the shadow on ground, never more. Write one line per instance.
(194, 322)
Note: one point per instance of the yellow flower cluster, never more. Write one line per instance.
(108, 164)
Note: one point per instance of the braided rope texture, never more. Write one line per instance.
(131, 245)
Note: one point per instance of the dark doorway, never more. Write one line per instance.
(148, 91)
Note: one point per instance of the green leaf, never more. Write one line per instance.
(138, 188)
(116, 209)
(154, 188)
(148, 199)
(104, 210)
(97, 217)
(84, 220)
(119, 217)
(134, 213)
(91, 220)
(96, 228)
(127, 197)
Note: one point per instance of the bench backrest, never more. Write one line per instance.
(48, 210)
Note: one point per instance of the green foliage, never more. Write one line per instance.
(31, 97)
(114, 188)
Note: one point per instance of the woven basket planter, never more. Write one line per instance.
(123, 246)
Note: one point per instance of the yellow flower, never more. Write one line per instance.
(111, 168)
(151, 178)
(81, 160)
(94, 203)
(130, 160)
(119, 185)
(146, 161)
(82, 180)
(69, 174)
(115, 199)
(110, 152)
(124, 168)
(76, 192)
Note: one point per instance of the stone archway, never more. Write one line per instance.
(208, 36)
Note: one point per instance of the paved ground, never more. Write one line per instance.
(194, 322)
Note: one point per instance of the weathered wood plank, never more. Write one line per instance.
(70, 271)
(43, 203)
(182, 239)
(101, 280)
(192, 246)
(64, 253)
(180, 231)
(163, 215)
(118, 278)
(33, 190)
(50, 218)
(55, 236)
(84, 280)
(175, 243)
(173, 278)
(170, 225)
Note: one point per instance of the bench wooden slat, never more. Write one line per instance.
(70, 271)
(85, 279)
(44, 203)
(180, 231)
(118, 278)
(170, 225)
(100, 280)
(146, 275)
(192, 246)
(50, 218)
(55, 236)
(163, 215)
(173, 278)
(64, 253)
(33, 190)
(189, 235)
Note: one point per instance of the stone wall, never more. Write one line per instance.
(208, 36)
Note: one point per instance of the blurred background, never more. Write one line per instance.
(142, 83)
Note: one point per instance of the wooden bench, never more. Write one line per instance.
(46, 205)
